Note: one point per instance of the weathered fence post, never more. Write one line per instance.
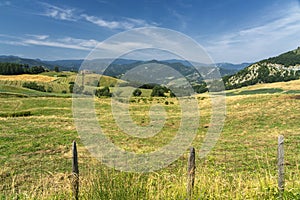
(75, 172)
(280, 165)
(191, 172)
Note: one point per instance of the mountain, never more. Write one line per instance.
(119, 65)
(118, 70)
(76, 64)
(284, 67)
(19, 60)
(66, 64)
(230, 66)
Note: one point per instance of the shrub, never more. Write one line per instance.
(50, 89)
(34, 86)
(103, 92)
(71, 87)
(159, 91)
(16, 114)
(137, 92)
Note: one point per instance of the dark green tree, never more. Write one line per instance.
(103, 92)
(159, 91)
(56, 69)
(137, 92)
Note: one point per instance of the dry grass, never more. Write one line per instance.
(290, 85)
(36, 162)
(28, 77)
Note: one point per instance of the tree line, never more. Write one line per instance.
(16, 69)
(290, 58)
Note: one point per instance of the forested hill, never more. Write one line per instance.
(15, 69)
(284, 67)
(290, 58)
(25, 61)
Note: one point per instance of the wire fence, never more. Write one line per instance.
(27, 174)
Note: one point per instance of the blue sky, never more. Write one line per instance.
(229, 30)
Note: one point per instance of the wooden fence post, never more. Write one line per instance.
(280, 165)
(75, 172)
(191, 172)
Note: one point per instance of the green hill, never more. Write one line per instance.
(284, 67)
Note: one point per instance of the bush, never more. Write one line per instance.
(50, 89)
(159, 91)
(103, 92)
(201, 88)
(137, 92)
(34, 86)
(16, 114)
(71, 87)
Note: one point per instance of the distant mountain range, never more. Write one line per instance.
(28, 61)
(284, 67)
(119, 64)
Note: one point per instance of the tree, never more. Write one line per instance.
(103, 92)
(159, 91)
(36, 69)
(56, 69)
(137, 92)
(71, 86)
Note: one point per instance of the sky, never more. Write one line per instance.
(233, 31)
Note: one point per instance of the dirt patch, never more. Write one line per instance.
(295, 97)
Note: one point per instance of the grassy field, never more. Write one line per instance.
(35, 156)
(59, 82)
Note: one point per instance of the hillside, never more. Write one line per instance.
(284, 67)
(118, 65)
(56, 84)
(26, 61)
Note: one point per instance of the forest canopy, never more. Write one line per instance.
(15, 69)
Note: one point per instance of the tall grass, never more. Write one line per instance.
(210, 183)
(35, 150)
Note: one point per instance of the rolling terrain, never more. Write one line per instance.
(36, 159)
(37, 129)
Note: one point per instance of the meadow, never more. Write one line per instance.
(36, 155)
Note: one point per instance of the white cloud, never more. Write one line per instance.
(54, 44)
(100, 22)
(59, 13)
(72, 14)
(45, 40)
(150, 43)
(39, 37)
(126, 23)
(259, 42)
(89, 44)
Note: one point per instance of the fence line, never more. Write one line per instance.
(53, 172)
(280, 165)
(75, 172)
(191, 172)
